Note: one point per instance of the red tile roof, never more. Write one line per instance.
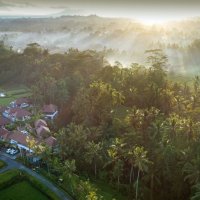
(19, 112)
(20, 137)
(22, 100)
(4, 121)
(40, 122)
(4, 133)
(51, 141)
(49, 108)
(42, 131)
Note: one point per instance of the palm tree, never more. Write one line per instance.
(131, 160)
(93, 154)
(115, 153)
(72, 141)
(141, 162)
(69, 168)
(94, 133)
(117, 171)
(192, 171)
(56, 164)
(46, 156)
(196, 195)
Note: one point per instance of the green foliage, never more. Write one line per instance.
(141, 160)
(95, 104)
(133, 128)
(11, 127)
(196, 192)
(5, 52)
(86, 190)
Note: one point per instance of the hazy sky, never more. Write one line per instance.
(146, 10)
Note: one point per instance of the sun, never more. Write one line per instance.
(153, 20)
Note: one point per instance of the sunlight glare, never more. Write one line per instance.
(153, 21)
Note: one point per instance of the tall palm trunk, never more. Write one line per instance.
(152, 185)
(136, 192)
(71, 185)
(130, 176)
(118, 183)
(48, 168)
(95, 170)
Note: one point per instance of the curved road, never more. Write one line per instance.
(11, 164)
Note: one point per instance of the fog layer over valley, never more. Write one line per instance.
(120, 40)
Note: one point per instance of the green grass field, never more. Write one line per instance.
(22, 190)
(2, 164)
(13, 94)
(15, 184)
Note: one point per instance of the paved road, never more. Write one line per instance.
(11, 164)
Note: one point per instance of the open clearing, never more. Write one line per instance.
(22, 190)
(14, 94)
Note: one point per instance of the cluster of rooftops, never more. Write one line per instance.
(19, 110)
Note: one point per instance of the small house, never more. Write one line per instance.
(50, 111)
